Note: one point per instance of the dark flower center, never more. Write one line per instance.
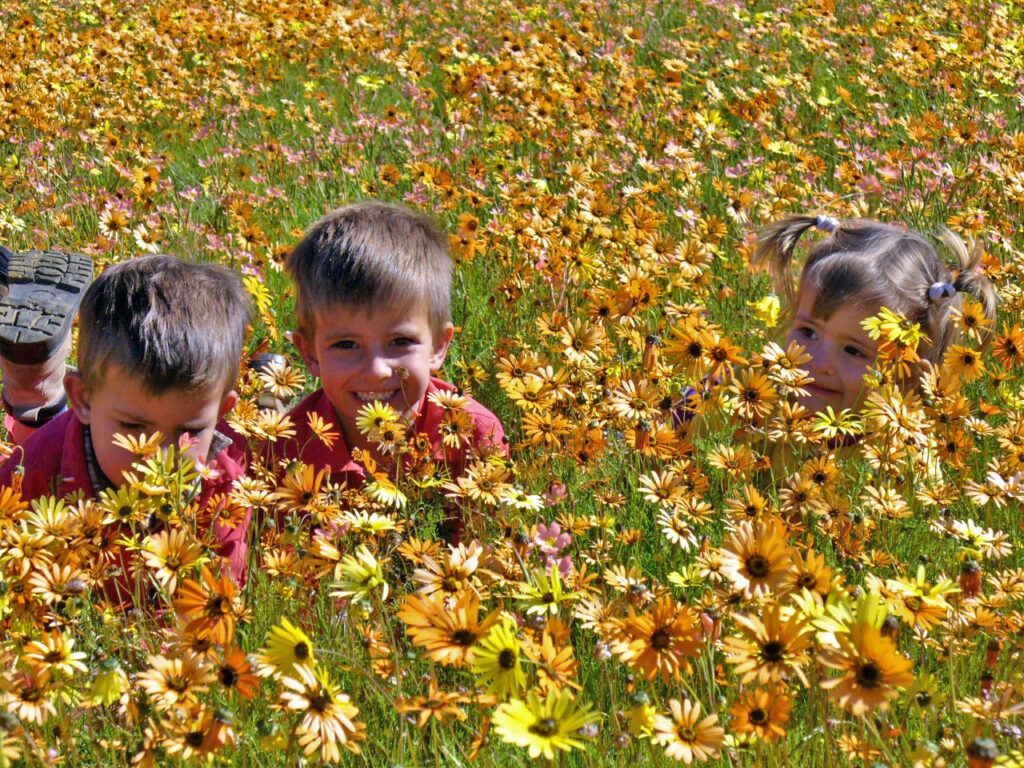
(228, 676)
(758, 566)
(194, 738)
(464, 637)
(319, 702)
(507, 659)
(301, 651)
(773, 651)
(546, 727)
(660, 640)
(758, 716)
(869, 675)
(217, 605)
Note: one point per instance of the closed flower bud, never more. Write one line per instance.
(992, 652)
(970, 578)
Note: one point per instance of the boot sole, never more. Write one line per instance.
(41, 298)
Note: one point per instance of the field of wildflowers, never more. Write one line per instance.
(625, 593)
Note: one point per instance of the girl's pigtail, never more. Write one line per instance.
(776, 244)
(971, 279)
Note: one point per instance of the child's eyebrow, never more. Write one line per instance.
(864, 341)
(128, 416)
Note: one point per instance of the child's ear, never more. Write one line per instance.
(441, 347)
(307, 349)
(229, 401)
(79, 397)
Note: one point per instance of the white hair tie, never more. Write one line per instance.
(826, 223)
(940, 291)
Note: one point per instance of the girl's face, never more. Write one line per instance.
(841, 353)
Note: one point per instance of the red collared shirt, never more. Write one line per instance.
(308, 448)
(55, 461)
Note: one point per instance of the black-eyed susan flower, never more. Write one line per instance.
(327, 716)
(497, 661)
(543, 726)
(686, 735)
(762, 712)
(873, 670)
(287, 646)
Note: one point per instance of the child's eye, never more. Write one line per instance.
(130, 426)
(855, 352)
(807, 333)
(403, 341)
(345, 344)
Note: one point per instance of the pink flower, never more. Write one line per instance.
(565, 566)
(555, 494)
(550, 539)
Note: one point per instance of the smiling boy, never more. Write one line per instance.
(374, 323)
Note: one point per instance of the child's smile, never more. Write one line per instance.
(364, 354)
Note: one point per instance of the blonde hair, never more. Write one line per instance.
(369, 254)
(171, 323)
(868, 263)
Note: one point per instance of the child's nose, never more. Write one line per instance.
(380, 367)
(824, 360)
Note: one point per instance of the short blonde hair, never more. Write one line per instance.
(869, 263)
(173, 324)
(372, 253)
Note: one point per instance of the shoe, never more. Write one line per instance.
(40, 291)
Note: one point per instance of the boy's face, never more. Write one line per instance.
(841, 352)
(120, 404)
(363, 354)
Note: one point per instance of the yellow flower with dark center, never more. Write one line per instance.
(543, 593)
(544, 726)
(769, 649)
(660, 643)
(376, 418)
(327, 715)
(497, 661)
(168, 553)
(288, 646)
(756, 557)
(686, 735)
(753, 394)
(761, 712)
(449, 635)
(873, 670)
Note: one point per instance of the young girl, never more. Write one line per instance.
(860, 267)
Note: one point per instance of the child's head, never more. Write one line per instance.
(159, 346)
(859, 268)
(374, 306)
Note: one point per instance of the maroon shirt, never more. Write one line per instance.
(56, 462)
(307, 447)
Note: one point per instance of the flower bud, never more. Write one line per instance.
(970, 578)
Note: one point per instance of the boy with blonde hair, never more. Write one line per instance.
(160, 342)
(374, 323)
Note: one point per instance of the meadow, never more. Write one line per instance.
(627, 592)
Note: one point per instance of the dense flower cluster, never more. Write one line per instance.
(678, 560)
